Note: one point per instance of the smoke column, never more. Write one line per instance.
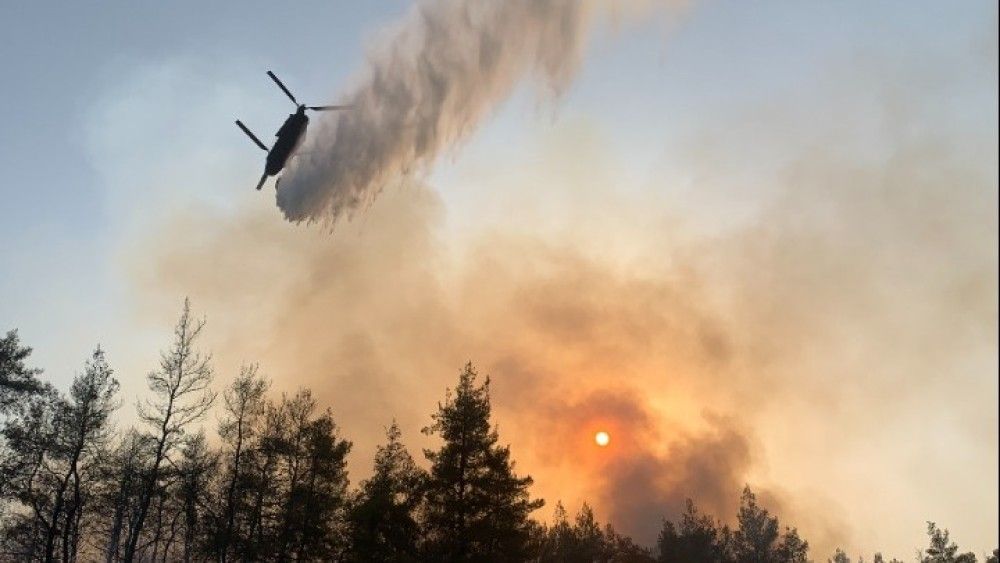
(425, 89)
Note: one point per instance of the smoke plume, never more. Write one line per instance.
(424, 89)
(834, 345)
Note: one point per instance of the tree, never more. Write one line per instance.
(52, 445)
(942, 549)
(757, 539)
(476, 506)
(277, 489)
(792, 548)
(623, 549)
(757, 534)
(181, 396)
(26, 475)
(383, 516)
(696, 539)
(314, 479)
(122, 484)
(82, 427)
(244, 407)
(17, 380)
(263, 477)
(588, 540)
(581, 541)
(556, 542)
(194, 471)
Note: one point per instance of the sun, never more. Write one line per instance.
(602, 438)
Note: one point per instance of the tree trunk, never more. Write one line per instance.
(111, 552)
(231, 493)
(50, 537)
(146, 495)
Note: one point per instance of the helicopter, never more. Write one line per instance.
(289, 136)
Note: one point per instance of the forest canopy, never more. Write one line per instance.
(271, 484)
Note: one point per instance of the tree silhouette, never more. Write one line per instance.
(120, 486)
(839, 557)
(245, 405)
(585, 540)
(942, 549)
(274, 486)
(52, 445)
(383, 516)
(194, 477)
(555, 543)
(476, 506)
(696, 539)
(81, 430)
(181, 396)
(313, 479)
(17, 380)
(757, 539)
(29, 436)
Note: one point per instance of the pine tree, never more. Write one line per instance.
(557, 543)
(586, 541)
(120, 489)
(696, 539)
(942, 549)
(792, 548)
(194, 476)
(244, 406)
(383, 515)
(263, 486)
(53, 444)
(477, 508)
(182, 396)
(620, 548)
(315, 483)
(17, 380)
(30, 434)
(757, 539)
(589, 541)
(757, 534)
(82, 428)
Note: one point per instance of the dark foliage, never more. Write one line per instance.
(384, 518)
(476, 508)
(274, 486)
(17, 380)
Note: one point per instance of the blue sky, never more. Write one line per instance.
(60, 60)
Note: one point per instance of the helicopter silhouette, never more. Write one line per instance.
(289, 136)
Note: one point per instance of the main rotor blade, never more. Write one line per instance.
(328, 108)
(253, 137)
(282, 86)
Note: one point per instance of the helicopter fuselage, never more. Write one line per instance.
(289, 136)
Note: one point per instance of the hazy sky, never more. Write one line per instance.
(757, 240)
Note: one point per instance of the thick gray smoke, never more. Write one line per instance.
(426, 88)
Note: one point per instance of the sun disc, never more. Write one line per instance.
(602, 438)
